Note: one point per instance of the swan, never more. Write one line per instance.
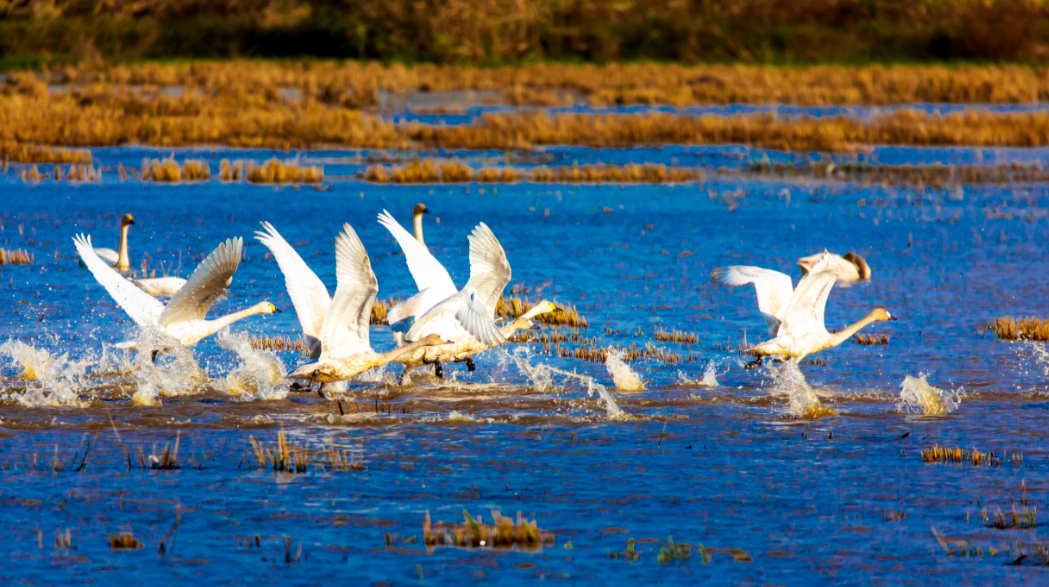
(417, 221)
(852, 266)
(183, 318)
(154, 286)
(345, 328)
(464, 316)
(308, 294)
(800, 330)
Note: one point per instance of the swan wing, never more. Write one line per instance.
(306, 290)
(804, 313)
(464, 311)
(160, 286)
(347, 323)
(774, 289)
(426, 270)
(209, 280)
(140, 306)
(110, 256)
(489, 269)
(415, 306)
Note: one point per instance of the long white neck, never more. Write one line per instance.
(846, 334)
(123, 264)
(220, 323)
(524, 321)
(417, 224)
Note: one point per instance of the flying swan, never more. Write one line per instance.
(184, 316)
(852, 267)
(795, 317)
(344, 332)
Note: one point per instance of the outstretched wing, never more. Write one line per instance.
(209, 280)
(805, 311)
(346, 325)
(143, 308)
(426, 270)
(307, 291)
(774, 289)
(489, 269)
(464, 311)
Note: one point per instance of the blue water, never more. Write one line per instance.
(844, 499)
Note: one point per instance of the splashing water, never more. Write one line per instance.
(175, 372)
(918, 396)
(803, 401)
(710, 374)
(259, 375)
(52, 381)
(542, 377)
(622, 375)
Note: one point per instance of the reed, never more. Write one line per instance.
(274, 171)
(565, 315)
(936, 176)
(503, 533)
(870, 339)
(296, 459)
(943, 455)
(280, 343)
(1024, 519)
(28, 153)
(675, 336)
(125, 541)
(380, 309)
(16, 257)
(1009, 328)
(589, 351)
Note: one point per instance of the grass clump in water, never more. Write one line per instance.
(125, 541)
(565, 315)
(273, 171)
(296, 459)
(16, 257)
(1009, 328)
(280, 343)
(870, 339)
(675, 336)
(959, 456)
(503, 533)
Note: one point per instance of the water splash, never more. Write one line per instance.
(542, 376)
(174, 372)
(50, 380)
(917, 395)
(259, 373)
(622, 375)
(710, 374)
(803, 401)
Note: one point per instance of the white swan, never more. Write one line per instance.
(121, 261)
(184, 316)
(800, 330)
(308, 293)
(465, 316)
(345, 331)
(852, 267)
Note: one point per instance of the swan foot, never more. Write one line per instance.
(300, 387)
(438, 369)
(470, 366)
(754, 364)
(153, 356)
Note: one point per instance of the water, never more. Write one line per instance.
(708, 453)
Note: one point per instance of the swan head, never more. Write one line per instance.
(861, 265)
(313, 373)
(127, 220)
(434, 340)
(882, 314)
(267, 308)
(419, 210)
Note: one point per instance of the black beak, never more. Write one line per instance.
(893, 318)
(277, 310)
(130, 221)
(425, 211)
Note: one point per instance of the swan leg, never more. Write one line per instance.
(153, 356)
(754, 364)
(470, 366)
(438, 369)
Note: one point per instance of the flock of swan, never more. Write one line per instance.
(440, 324)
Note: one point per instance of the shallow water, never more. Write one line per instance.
(708, 453)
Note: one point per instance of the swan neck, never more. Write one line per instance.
(228, 319)
(123, 263)
(417, 226)
(398, 352)
(852, 329)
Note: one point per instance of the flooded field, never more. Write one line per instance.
(667, 462)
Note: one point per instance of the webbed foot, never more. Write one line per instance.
(470, 366)
(754, 364)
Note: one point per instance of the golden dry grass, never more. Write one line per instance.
(1009, 328)
(675, 336)
(936, 176)
(280, 343)
(565, 315)
(27, 153)
(589, 351)
(16, 257)
(943, 455)
(274, 171)
(870, 339)
(422, 172)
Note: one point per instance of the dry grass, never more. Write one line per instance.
(870, 339)
(590, 351)
(565, 315)
(1009, 328)
(380, 309)
(504, 533)
(675, 336)
(23, 153)
(452, 172)
(16, 257)
(125, 541)
(295, 459)
(936, 176)
(943, 455)
(280, 343)
(274, 171)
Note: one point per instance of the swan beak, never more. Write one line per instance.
(426, 211)
(277, 310)
(130, 221)
(893, 318)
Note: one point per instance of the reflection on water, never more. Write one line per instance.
(701, 451)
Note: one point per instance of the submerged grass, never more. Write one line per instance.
(959, 456)
(474, 533)
(16, 257)
(1009, 328)
(280, 343)
(296, 459)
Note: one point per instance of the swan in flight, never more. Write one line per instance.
(154, 286)
(795, 317)
(345, 328)
(308, 293)
(852, 267)
(466, 316)
(184, 316)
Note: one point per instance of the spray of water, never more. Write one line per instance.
(175, 371)
(259, 374)
(50, 380)
(622, 375)
(803, 401)
(710, 374)
(542, 377)
(917, 395)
